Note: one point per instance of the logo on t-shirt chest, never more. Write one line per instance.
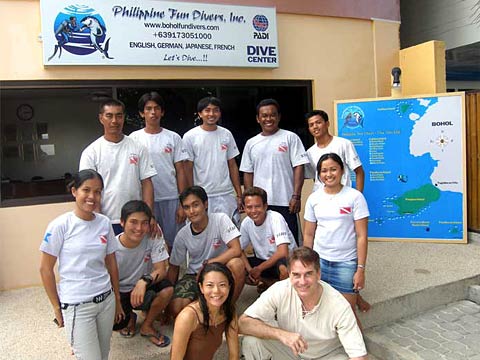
(133, 159)
(271, 239)
(168, 149)
(283, 147)
(224, 144)
(148, 256)
(345, 210)
(216, 244)
(103, 239)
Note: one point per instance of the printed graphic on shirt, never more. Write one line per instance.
(103, 239)
(271, 240)
(283, 147)
(224, 144)
(148, 256)
(133, 159)
(47, 237)
(217, 243)
(345, 210)
(168, 148)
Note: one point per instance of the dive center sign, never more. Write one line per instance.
(152, 32)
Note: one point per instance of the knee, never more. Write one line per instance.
(176, 306)
(166, 293)
(236, 267)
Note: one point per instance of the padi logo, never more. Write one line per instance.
(260, 23)
(353, 117)
(80, 37)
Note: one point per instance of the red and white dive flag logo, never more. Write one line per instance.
(346, 210)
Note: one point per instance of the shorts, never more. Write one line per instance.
(127, 305)
(339, 274)
(272, 272)
(165, 214)
(186, 287)
(226, 204)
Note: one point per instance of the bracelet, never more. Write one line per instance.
(296, 197)
(361, 266)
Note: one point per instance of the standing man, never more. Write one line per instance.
(167, 153)
(273, 160)
(142, 267)
(270, 237)
(312, 319)
(124, 164)
(209, 237)
(325, 143)
(211, 161)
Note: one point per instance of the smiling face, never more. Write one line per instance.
(112, 119)
(210, 116)
(152, 114)
(136, 227)
(304, 279)
(195, 209)
(317, 126)
(330, 173)
(268, 118)
(255, 209)
(87, 198)
(215, 288)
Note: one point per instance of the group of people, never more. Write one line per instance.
(149, 202)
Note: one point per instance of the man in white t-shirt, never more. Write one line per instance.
(273, 160)
(325, 143)
(124, 164)
(142, 268)
(209, 237)
(211, 164)
(167, 153)
(301, 318)
(270, 237)
(318, 124)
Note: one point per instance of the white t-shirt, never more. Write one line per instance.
(340, 146)
(210, 151)
(267, 237)
(122, 165)
(322, 328)
(210, 243)
(271, 159)
(335, 215)
(133, 263)
(165, 150)
(81, 247)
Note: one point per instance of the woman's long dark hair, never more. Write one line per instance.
(228, 306)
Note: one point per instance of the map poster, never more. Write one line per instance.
(413, 153)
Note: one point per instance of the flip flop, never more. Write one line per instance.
(126, 332)
(158, 335)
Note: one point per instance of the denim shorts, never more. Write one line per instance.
(339, 274)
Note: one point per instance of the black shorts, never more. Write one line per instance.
(150, 294)
(272, 272)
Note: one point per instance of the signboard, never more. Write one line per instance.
(152, 32)
(413, 154)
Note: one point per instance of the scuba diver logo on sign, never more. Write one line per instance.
(80, 30)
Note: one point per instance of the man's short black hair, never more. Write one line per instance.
(110, 102)
(134, 206)
(150, 96)
(209, 100)
(255, 191)
(198, 191)
(268, 102)
(313, 113)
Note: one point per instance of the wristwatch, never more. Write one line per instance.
(147, 278)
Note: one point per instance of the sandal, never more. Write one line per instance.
(157, 336)
(128, 331)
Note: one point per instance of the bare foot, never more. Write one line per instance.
(129, 330)
(362, 304)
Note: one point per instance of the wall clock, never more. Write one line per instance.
(25, 112)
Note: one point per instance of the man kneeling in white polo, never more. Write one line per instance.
(301, 318)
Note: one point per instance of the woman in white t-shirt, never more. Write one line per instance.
(336, 219)
(84, 244)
